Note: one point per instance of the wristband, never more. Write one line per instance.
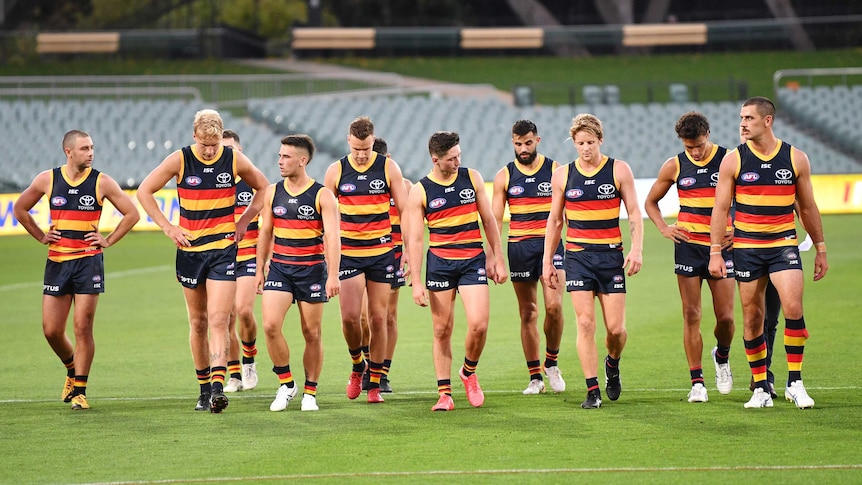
(714, 252)
(821, 246)
(715, 245)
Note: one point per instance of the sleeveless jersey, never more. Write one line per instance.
(695, 184)
(247, 247)
(765, 193)
(363, 200)
(297, 225)
(529, 197)
(207, 195)
(593, 209)
(75, 211)
(453, 217)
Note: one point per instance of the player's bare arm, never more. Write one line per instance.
(626, 179)
(257, 181)
(809, 213)
(665, 180)
(264, 239)
(720, 211)
(40, 186)
(331, 241)
(497, 267)
(554, 228)
(123, 203)
(170, 168)
(413, 229)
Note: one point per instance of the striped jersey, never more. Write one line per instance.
(363, 201)
(765, 194)
(593, 208)
(453, 216)
(695, 185)
(75, 211)
(247, 247)
(207, 194)
(297, 225)
(528, 192)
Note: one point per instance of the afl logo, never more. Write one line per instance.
(376, 184)
(783, 174)
(347, 188)
(223, 178)
(728, 264)
(390, 268)
(244, 197)
(574, 193)
(557, 257)
(437, 203)
(193, 180)
(714, 177)
(279, 210)
(315, 287)
(618, 278)
(687, 182)
(750, 177)
(305, 210)
(516, 190)
(97, 278)
(606, 189)
(87, 200)
(480, 271)
(467, 194)
(545, 187)
(58, 201)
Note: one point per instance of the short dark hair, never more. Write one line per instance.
(380, 146)
(230, 134)
(692, 125)
(524, 127)
(361, 127)
(441, 141)
(300, 141)
(70, 137)
(765, 106)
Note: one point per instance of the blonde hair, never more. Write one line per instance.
(208, 124)
(586, 122)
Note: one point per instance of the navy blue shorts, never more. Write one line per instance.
(448, 274)
(246, 268)
(598, 271)
(215, 264)
(82, 276)
(306, 282)
(380, 269)
(525, 259)
(754, 263)
(693, 260)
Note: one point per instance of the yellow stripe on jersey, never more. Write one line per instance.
(766, 200)
(592, 215)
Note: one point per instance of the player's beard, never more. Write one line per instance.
(530, 158)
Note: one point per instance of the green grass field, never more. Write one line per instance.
(142, 429)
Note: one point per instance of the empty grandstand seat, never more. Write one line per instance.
(678, 93)
(593, 94)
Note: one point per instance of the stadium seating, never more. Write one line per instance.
(641, 134)
(133, 136)
(832, 112)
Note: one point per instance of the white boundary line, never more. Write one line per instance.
(516, 471)
(116, 274)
